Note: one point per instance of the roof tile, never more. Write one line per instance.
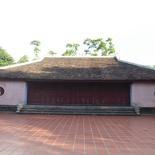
(83, 68)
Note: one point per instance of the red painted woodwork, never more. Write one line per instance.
(74, 93)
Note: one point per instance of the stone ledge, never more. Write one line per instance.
(8, 108)
(147, 110)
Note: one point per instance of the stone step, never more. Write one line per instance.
(77, 110)
(60, 113)
(41, 110)
(76, 107)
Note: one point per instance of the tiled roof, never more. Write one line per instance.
(78, 68)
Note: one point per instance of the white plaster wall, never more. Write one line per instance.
(14, 92)
(143, 94)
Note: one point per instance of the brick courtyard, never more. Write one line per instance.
(76, 135)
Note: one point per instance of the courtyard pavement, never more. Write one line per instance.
(76, 135)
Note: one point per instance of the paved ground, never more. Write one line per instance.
(76, 135)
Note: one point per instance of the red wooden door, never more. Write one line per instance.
(70, 93)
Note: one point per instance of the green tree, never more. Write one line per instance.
(35, 42)
(110, 48)
(52, 53)
(71, 49)
(91, 50)
(99, 47)
(5, 58)
(37, 50)
(23, 59)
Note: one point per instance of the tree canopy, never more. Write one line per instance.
(71, 49)
(37, 50)
(51, 53)
(5, 58)
(23, 59)
(97, 47)
(94, 47)
(35, 42)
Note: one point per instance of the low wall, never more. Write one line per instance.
(143, 94)
(14, 92)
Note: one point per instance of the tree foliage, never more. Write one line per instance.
(99, 47)
(23, 59)
(5, 58)
(71, 49)
(35, 42)
(52, 53)
(37, 50)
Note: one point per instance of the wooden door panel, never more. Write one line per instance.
(105, 94)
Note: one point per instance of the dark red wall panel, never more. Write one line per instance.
(74, 93)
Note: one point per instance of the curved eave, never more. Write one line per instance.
(79, 80)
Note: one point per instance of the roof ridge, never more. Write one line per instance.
(20, 64)
(79, 56)
(135, 64)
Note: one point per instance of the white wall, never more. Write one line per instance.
(143, 94)
(14, 92)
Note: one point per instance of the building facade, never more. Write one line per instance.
(78, 81)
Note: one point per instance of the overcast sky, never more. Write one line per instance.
(130, 23)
